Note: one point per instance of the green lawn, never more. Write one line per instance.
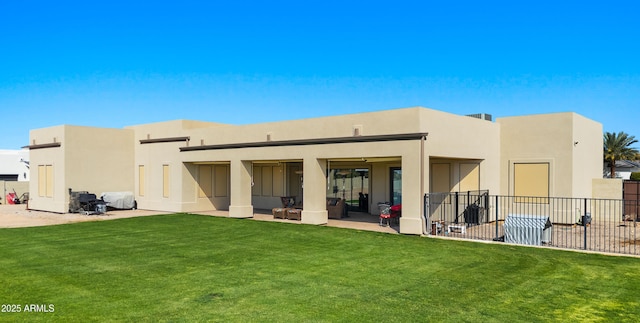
(197, 268)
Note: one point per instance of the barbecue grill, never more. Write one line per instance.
(85, 202)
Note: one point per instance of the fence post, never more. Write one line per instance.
(486, 206)
(584, 223)
(456, 207)
(497, 227)
(424, 211)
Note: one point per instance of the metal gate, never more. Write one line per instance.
(456, 211)
(631, 197)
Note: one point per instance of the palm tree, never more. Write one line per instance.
(617, 147)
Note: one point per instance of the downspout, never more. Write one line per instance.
(327, 170)
(252, 170)
(425, 225)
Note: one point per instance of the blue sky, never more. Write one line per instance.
(118, 63)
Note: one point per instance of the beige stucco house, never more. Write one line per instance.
(189, 166)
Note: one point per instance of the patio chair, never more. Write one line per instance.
(395, 212)
(288, 201)
(335, 207)
(385, 214)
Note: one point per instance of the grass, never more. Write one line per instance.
(196, 268)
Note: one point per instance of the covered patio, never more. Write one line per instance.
(358, 183)
(361, 171)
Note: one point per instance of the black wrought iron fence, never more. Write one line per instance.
(569, 223)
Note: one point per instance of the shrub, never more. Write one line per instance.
(635, 176)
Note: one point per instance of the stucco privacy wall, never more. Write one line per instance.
(606, 193)
(87, 159)
(570, 143)
(607, 188)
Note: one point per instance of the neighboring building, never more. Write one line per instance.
(14, 174)
(189, 166)
(624, 168)
(14, 165)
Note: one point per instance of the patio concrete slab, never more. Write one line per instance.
(18, 216)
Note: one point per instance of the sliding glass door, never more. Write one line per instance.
(396, 185)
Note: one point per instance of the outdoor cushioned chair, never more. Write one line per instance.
(279, 212)
(335, 207)
(288, 203)
(294, 214)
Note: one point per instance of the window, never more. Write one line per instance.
(396, 185)
(277, 177)
(141, 180)
(267, 181)
(531, 180)
(165, 180)
(221, 181)
(205, 180)
(469, 177)
(49, 190)
(42, 180)
(45, 180)
(440, 178)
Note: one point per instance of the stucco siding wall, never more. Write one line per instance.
(449, 135)
(456, 136)
(464, 139)
(546, 138)
(372, 123)
(172, 128)
(154, 157)
(587, 159)
(99, 159)
(48, 156)
(89, 159)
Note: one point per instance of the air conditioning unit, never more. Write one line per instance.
(483, 116)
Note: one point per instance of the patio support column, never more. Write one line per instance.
(415, 175)
(241, 206)
(314, 191)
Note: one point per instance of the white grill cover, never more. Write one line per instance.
(119, 200)
(527, 229)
